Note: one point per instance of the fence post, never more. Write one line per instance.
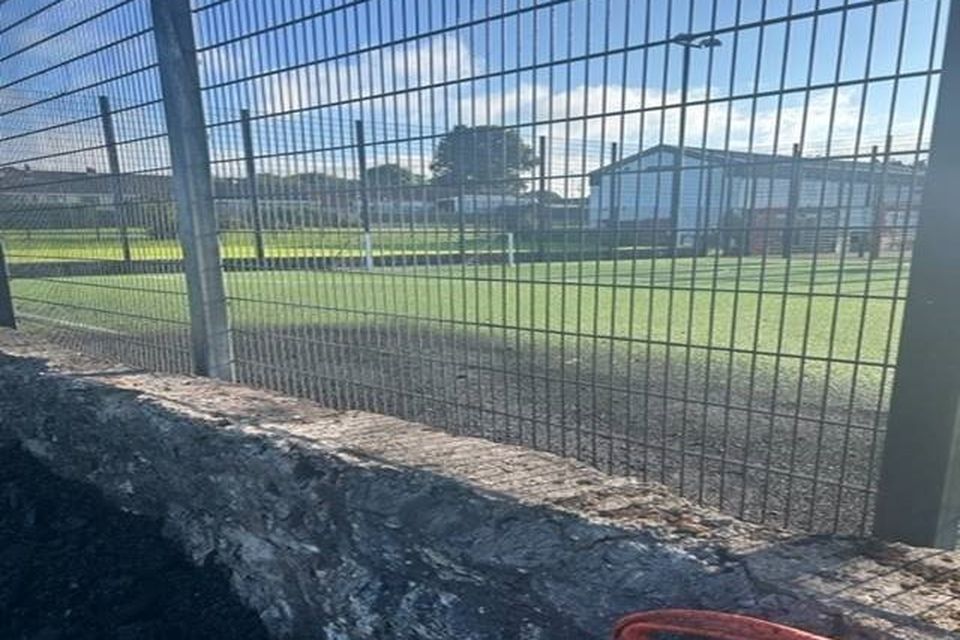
(252, 185)
(113, 160)
(364, 197)
(614, 188)
(7, 319)
(540, 216)
(190, 158)
(461, 226)
(793, 203)
(918, 501)
(865, 236)
(878, 213)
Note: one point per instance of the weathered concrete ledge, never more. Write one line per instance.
(351, 525)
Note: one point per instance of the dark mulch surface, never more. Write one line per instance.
(73, 567)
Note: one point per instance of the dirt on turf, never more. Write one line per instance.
(738, 432)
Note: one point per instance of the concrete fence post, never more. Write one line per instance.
(918, 501)
(190, 158)
(7, 318)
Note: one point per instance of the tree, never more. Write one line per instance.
(391, 175)
(313, 182)
(332, 198)
(483, 159)
(548, 197)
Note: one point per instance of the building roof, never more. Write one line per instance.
(15, 180)
(743, 162)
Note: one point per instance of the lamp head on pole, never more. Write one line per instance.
(690, 41)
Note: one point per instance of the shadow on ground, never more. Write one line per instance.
(73, 567)
(752, 435)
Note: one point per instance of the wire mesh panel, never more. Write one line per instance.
(85, 212)
(669, 238)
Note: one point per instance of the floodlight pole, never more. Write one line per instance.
(688, 42)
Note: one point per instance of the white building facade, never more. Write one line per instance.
(718, 191)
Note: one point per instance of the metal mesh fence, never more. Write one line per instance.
(671, 239)
(85, 218)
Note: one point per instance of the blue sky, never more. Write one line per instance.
(417, 67)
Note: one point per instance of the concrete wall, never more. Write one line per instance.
(350, 525)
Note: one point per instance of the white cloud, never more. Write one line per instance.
(410, 90)
(587, 119)
(398, 68)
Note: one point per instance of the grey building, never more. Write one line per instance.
(758, 202)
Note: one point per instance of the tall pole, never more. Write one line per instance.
(677, 183)
(918, 499)
(688, 42)
(252, 184)
(210, 335)
(113, 161)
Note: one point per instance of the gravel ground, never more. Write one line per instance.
(74, 568)
(749, 444)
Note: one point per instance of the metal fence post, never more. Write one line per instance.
(877, 222)
(614, 187)
(793, 203)
(7, 318)
(461, 226)
(252, 184)
(367, 244)
(540, 213)
(190, 158)
(919, 494)
(113, 161)
(865, 236)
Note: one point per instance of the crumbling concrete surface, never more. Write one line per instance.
(351, 525)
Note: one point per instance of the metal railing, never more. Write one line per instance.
(672, 239)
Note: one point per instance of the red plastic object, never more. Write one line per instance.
(706, 624)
